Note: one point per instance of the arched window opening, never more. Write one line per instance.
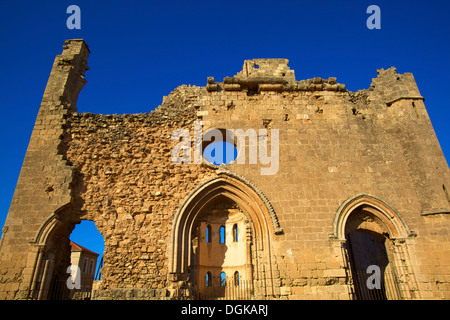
(208, 234)
(235, 233)
(223, 278)
(226, 199)
(222, 234)
(88, 238)
(236, 278)
(86, 257)
(208, 279)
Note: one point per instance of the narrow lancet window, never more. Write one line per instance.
(222, 234)
(235, 233)
(208, 234)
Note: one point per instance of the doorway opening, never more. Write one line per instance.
(87, 247)
(374, 240)
(372, 273)
(65, 261)
(230, 209)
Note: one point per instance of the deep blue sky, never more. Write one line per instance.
(142, 50)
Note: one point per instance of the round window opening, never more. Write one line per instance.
(219, 153)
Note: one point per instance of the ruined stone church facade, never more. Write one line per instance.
(362, 186)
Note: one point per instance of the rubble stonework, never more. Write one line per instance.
(353, 166)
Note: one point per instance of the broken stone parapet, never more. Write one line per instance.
(271, 75)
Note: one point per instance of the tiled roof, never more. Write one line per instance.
(76, 247)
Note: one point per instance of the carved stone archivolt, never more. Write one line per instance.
(244, 200)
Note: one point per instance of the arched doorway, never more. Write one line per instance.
(52, 257)
(87, 247)
(51, 266)
(374, 239)
(205, 223)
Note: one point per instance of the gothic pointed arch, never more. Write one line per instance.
(372, 233)
(386, 217)
(51, 252)
(258, 211)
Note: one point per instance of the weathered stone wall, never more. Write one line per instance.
(336, 147)
(128, 186)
